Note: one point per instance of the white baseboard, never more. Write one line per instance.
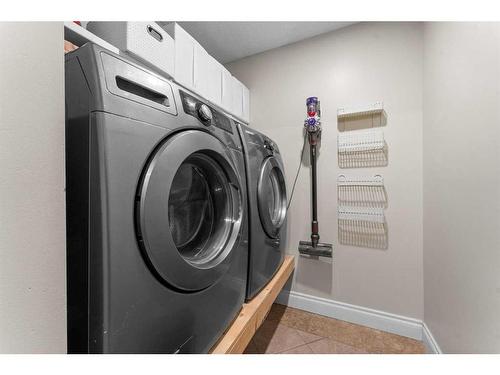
(429, 341)
(380, 320)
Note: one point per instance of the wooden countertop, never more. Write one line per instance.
(253, 313)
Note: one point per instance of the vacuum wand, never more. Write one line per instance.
(313, 128)
(314, 223)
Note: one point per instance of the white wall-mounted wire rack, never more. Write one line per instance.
(362, 149)
(361, 140)
(375, 215)
(362, 227)
(361, 117)
(361, 191)
(376, 108)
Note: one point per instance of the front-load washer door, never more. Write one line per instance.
(271, 197)
(189, 210)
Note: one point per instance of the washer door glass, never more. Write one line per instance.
(272, 197)
(274, 193)
(200, 209)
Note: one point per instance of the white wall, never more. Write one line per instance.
(359, 64)
(462, 185)
(32, 211)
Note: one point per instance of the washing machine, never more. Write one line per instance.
(157, 244)
(267, 207)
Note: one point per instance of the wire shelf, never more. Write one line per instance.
(376, 108)
(362, 227)
(361, 117)
(364, 191)
(375, 215)
(362, 149)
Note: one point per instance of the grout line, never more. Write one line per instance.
(305, 343)
(294, 347)
(318, 339)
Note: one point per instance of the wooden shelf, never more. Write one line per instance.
(253, 313)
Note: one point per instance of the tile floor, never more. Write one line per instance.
(291, 331)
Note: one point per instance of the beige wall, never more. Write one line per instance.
(462, 186)
(359, 64)
(32, 213)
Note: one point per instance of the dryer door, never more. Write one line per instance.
(271, 196)
(189, 210)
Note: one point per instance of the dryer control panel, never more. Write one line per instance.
(207, 115)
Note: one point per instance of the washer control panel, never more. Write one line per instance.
(269, 145)
(207, 115)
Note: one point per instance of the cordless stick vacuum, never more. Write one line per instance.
(313, 128)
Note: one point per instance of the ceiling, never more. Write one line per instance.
(230, 41)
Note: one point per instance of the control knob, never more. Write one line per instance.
(204, 113)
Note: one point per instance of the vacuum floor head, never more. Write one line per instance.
(321, 249)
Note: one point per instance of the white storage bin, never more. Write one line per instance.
(184, 54)
(146, 41)
(201, 69)
(214, 81)
(207, 75)
(246, 104)
(237, 94)
(227, 90)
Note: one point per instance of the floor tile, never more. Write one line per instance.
(286, 328)
(274, 338)
(329, 346)
(303, 349)
(276, 313)
(364, 338)
(308, 337)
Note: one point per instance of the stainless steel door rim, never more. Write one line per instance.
(271, 195)
(189, 210)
